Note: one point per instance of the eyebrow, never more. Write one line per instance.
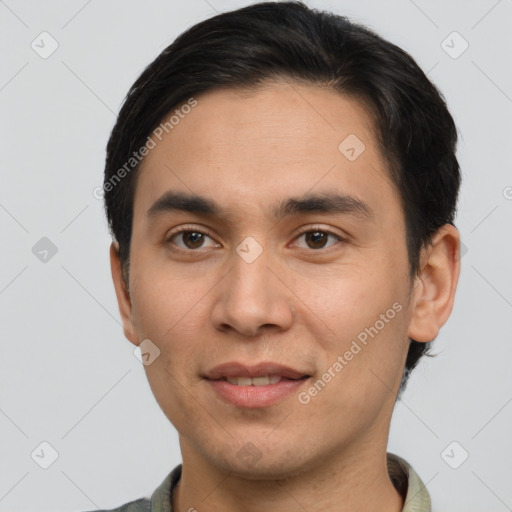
(327, 203)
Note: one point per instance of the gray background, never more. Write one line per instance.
(68, 376)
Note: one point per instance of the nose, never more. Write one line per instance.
(252, 299)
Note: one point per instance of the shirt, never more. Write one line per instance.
(403, 476)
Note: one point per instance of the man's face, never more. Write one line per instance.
(323, 279)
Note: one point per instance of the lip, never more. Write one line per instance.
(251, 397)
(235, 369)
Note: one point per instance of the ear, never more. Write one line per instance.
(434, 288)
(123, 296)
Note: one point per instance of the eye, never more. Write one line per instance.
(318, 238)
(190, 239)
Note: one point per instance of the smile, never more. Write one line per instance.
(265, 380)
(256, 392)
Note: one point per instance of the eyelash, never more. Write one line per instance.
(202, 231)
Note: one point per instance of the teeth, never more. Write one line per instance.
(239, 381)
(255, 381)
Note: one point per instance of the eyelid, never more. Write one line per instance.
(323, 229)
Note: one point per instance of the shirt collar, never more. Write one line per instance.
(409, 484)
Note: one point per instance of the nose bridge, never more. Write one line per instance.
(250, 269)
(251, 296)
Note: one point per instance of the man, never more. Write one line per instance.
(281, 186)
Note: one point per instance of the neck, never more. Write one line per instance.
(354, 480)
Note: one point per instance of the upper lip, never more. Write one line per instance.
(234, 369)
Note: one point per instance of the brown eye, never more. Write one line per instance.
(318, 239)
(190, 239)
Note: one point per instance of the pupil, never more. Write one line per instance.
(316, 238)
(193, 239)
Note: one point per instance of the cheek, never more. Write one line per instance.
(347, 298)
(172, 389)
(167, 312)
(162, 299)
(367, 361)
(364, 314)
(170, 309)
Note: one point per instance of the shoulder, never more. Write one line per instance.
(160, 501)
(140, 505)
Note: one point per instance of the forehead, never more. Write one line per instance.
(255, 145)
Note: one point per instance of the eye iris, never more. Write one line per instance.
(316, 239)
(192, 239)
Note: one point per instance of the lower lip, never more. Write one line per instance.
(255, 396)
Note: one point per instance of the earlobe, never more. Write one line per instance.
(123, 296)
(434, 288)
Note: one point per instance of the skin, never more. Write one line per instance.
(296, 304)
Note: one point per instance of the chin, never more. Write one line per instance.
(250, 463)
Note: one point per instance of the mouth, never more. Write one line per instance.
(264, 370)
(254, 386)
(264, 380)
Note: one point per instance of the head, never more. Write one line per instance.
(277, 105)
